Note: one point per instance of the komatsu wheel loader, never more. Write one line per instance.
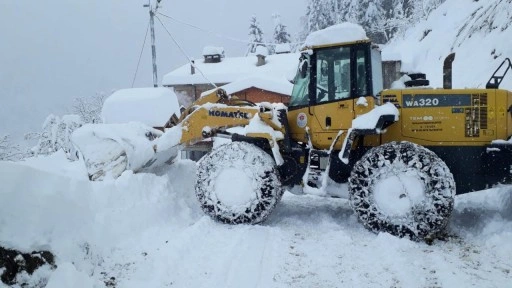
(403, 152)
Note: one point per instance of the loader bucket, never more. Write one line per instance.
(110, 149)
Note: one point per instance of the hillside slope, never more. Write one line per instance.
(479, 32)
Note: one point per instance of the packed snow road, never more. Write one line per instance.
(147, 230)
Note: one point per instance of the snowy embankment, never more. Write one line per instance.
(479, 33)
(146, 230)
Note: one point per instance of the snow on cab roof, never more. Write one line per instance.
(231, 69)
(344, 32)
(151, 106)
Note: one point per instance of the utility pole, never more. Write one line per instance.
(153, 48)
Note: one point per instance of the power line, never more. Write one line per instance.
(140, 56)
(221, 35)
(184, 53)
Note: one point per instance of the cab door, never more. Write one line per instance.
(340, 78)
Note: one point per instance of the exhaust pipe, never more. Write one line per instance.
(447, 71)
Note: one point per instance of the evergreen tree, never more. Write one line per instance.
(320, 14)
(281, 34)
(380, 18)
(255, 35)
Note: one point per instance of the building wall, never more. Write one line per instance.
(252, 94)
(259, 95)
(194, 91)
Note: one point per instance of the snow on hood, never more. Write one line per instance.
(344, 32)
(370, 119)
(150, 106)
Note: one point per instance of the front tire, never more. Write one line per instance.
(238, 184)
(403, 189)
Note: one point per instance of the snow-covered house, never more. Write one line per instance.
(240, 76)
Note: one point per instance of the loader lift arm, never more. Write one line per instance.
(214, 113)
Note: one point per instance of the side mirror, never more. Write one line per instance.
(303, 69)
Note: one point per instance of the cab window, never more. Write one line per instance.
(362, 82)
(300, 92)
(332, 74)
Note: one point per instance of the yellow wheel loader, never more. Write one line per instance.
(403, 152)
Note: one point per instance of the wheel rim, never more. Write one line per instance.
(235, 196)
(396, 195)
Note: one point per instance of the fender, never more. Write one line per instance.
(384, 122)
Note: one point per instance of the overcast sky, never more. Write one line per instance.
(54, 51)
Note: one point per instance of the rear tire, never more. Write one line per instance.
(238, 184)
(403, 189)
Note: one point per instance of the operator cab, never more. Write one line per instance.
(337, 72)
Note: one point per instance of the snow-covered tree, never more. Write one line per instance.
(89, 108)
(255, 35)
(380, 18)
(8, 150)
(374, 20)
(281, 34)
(56, 135)
(320, 14)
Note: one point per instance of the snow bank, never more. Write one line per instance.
(92, 226)
(146, 230)
(344, 32)
(150, 106)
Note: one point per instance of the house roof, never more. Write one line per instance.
(277, 85)
(231, 69)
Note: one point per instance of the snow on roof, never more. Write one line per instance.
(261, 50)
(234, 68)
(277, 85)
(283, 48)
(344, 32)
(212, 50)
(151, 106)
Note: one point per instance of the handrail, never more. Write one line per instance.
(495, 80)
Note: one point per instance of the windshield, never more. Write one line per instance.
(301, 83)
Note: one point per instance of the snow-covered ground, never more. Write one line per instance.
(147, 230)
